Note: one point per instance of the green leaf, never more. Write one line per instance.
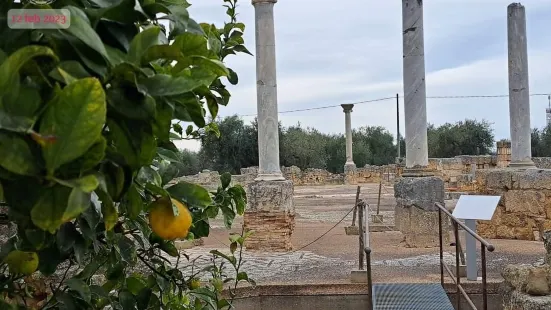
(192, 44)
(232, 77)
(16, 155)
(69, 71)
(192, 194)
(66, 236)
(36, 237)
(135, 284)
(18, 117)
(75, 119)
(167, 85)
(89, 160)
(9, 70)
(165, 52)
(127, 250)
(169, 248)
(108, 210)
(141, 42)
(229, 216)
(212, 65)
(130, 103)
(163, 122)
(57, 205)
(188, 108)
(80, 287)
(179, 20)
(86, 184)
(149, 175)
(225, 178)
(81, 29)
(242, 276)
(133, 202)
(168, 155)
(134, 142)
(230, 258)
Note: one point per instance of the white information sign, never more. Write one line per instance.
(476, 207)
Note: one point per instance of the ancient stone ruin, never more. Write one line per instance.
(528, 286)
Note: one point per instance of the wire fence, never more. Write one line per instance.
(394, 98)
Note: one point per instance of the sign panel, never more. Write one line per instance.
(476, 207)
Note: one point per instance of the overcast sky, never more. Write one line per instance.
(329, 54)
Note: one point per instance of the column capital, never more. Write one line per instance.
(263, 1)
(347, 107)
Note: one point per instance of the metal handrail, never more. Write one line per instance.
(367, 251)
(485, 245)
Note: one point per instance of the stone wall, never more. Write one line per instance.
(524, 210)
(454, 171)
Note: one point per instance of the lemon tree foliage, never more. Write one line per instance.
(88, 116)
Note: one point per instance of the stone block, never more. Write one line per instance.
(547, 244)
(500, 179)
(271, 196)
(516, 276)
(270, 214)
(536, 179)
(416, 215)
(528, 202)
(358, 276)
(519, 301)
(537, 282)
(377, 218)
(352, 230)
(420, 192)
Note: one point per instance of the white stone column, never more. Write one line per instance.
(519, 94)
(415, 106)
(270, 211)
(416, 215)
(266, 92)
(347, 109)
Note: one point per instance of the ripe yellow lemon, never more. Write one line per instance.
(165, 224)
(20, 262)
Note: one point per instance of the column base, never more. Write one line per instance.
(270, 177)
(414, 172)
(416, 216)
(520, 165)
(350, 173)
(270, 214)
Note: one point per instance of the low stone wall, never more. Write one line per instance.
(454, 171)
(528, 286)
(457, 173)
(524, 210)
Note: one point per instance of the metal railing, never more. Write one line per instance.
(369, 278)
(484, 245)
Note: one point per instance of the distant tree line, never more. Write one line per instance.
(309, 148)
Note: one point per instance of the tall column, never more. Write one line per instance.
(347, 109)
(415, 107)
(417, 191)
(266, 92)
(270, 211)
(519, 94)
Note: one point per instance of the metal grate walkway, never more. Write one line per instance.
(410, 296)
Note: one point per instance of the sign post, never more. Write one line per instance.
(472, 208)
